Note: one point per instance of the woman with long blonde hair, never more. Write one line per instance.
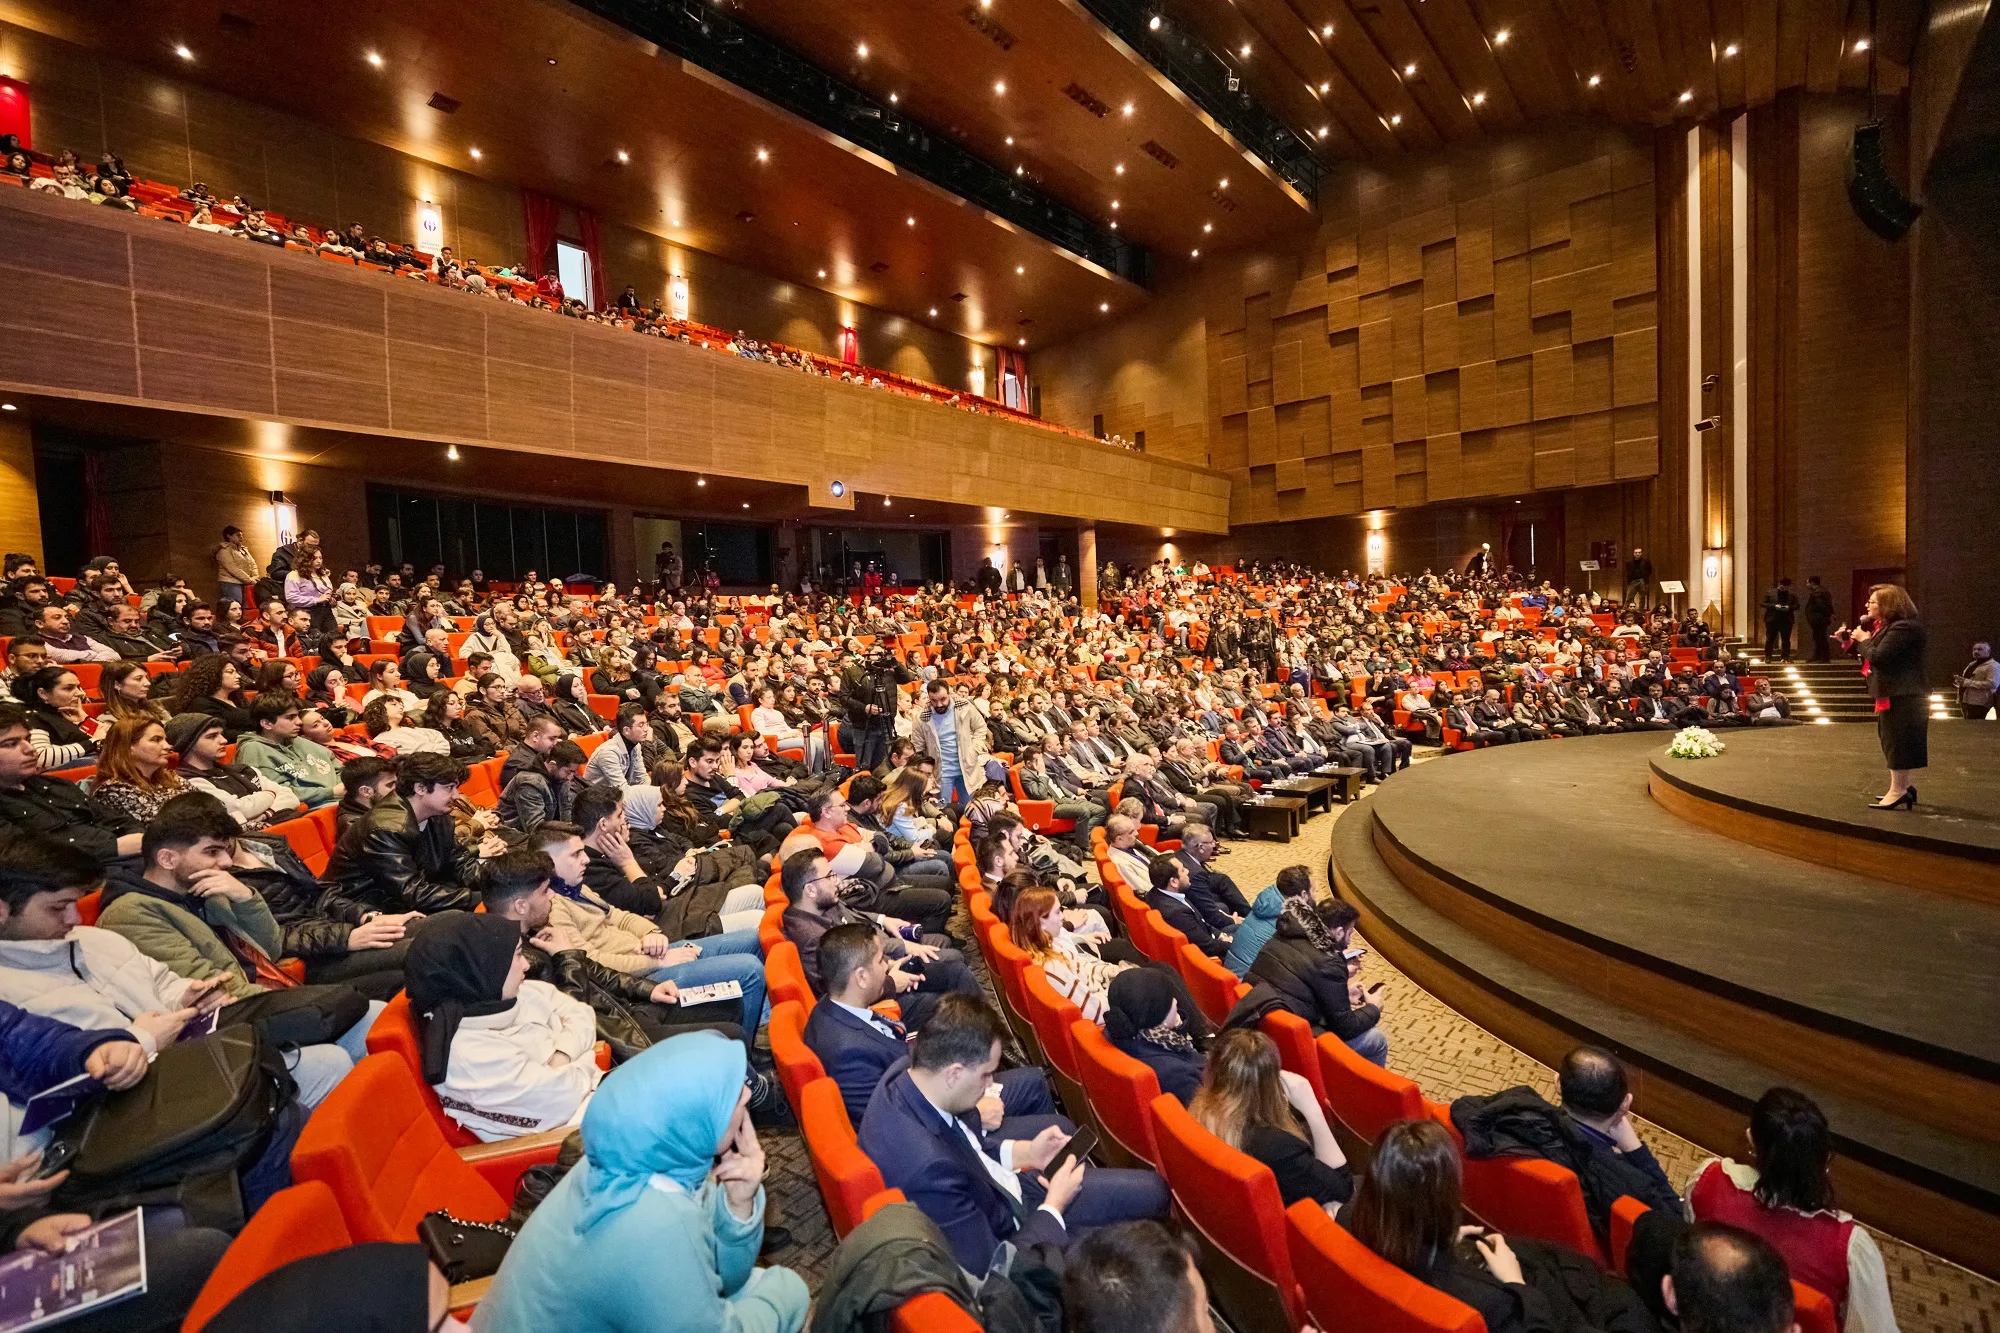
(1267, 1112)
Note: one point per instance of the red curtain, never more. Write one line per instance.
(1014, 379)
(14, 110)
(850, 347)
(96, 514)
(593, 246)
(542, 212)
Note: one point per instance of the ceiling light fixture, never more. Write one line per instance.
(893, 99)
(183, 53)
(746, 504)
(1326, 30)
(1118, 169)
(1207, 227)
(451, 452)
(701, 481)
(7, 407)
(624, 156)
(375, 59)
(1114, 224)
(475, 155)
(1153, 23)
(1020, 170)
(1688, 96)
(909, 222)
(1194, 254)
(1861, 45)
(1224, 185)
(1020, 342)
(1500, 37)
(1010, 141)
(1000, 87)
(1019, 268)
(1730, 49)
(1322, 131)
(862, 50)
(763, 155)
(1396, 119)
(933, 312)
(1595, 80)
(1128, 108)
(1326, 87)
(1104, 307)
(1244, 50)
(822, 273)
(1479, 99)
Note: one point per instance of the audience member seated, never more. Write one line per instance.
(1305, 962)
(920, 1131)
(31, 802)
(660, 1223)
(156, 965)
(507, 1056)
(923, 968)
(1134, 1277)
(39, 1053)
(1256, 929)
(1211, 893)
(1273, 1115)
(1726, 1280)
(1784, 1194)
(695, 893)
(404, 854)
(1591, 1133)
(1145, 1017)
(213, 685)
(1072, 970)
(1168, 878)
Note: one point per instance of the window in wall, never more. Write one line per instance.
(504, 541)
(573, 270)
(1097, 426)
(739, 552)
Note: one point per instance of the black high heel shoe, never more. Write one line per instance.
(1907, 801)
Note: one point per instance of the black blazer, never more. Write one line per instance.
(1895, 658)
(1189, 923)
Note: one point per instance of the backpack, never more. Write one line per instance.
(204, 1111)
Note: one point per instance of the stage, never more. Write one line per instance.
(1727, 924)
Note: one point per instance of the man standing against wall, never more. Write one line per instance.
(1638, 579)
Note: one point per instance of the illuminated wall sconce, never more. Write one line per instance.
(284, 518)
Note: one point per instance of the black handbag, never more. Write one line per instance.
(464, 1251)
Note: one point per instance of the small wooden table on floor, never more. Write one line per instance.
(1317, 792)
(1348, 780)
(1277, 816)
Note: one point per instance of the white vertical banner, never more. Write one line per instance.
(430, 229)
(677, 296)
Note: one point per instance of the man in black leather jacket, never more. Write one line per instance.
(404, 854)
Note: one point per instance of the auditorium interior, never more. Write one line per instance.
(1028, 496)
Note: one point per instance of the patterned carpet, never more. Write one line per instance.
(1448, 1056)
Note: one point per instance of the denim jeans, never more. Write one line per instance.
(317, 1069)
(1372, 1045)
(731, 956)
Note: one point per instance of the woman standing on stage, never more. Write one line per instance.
(1892, 653)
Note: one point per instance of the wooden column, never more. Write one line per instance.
(20, 512)
(1086, 565)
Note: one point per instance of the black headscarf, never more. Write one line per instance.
(1138, 999)
(372, 1288)
(455, 969)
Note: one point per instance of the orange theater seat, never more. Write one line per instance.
(395, 1033)
(1347, 1285)
(847, 1178)
(797, 1065)
(373, 1143)
(1525, 1195)
(785, 977)
(1121, 1091)
(1366, 1098)
(294, 1223)
(1812, 1309)
(932, 1312)
(1294, 1039)
(1232, 1201)
(1010, 964)
(1214, 987)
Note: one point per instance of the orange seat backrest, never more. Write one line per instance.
(1364, 1096)
(785, 977)
(1231, 1197)
(374, 1144)
(847, 1178)
(1294, 1039)
(1011, 962)
(1159, 941)
(1214, 987)
(1525, 1195)
(305, 838)
(1052, 1016)
(395, 1033)
(1812, 1309)
(771, 928)
(88, 906)
(932, 1312)
(294, 1223)
(1121, 1090)
(1347, 1285)
(797, 1065)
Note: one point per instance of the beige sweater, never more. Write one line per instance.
(610, 935)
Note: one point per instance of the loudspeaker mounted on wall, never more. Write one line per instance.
(1881, 204)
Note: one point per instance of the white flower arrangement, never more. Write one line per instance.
(1695, 743)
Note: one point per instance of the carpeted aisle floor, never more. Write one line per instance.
(1448, 1056)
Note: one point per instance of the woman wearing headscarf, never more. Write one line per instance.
(659, 1225)
(507, 1056)
(374, 1288)
(1142, 1018)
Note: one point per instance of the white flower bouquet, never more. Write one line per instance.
(1695, 743)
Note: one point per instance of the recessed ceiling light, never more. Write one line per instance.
(1410, 70)
(1596, 79)
(1326, 87)
(451, 452)
(933, 312)
(1396, 119)
(475, 155)
(701, 481)
(1103, 306)
(1243, 50)
(862, 50)
(1154, 23)
(746, 504)
(1479, 99)
(1128, 108)
(1322, 131)
(1114, 205)
(1730, 49)
(1688, 96)
(1000, 87)
(911, 222)
(1500, 37)
(822, 273)
(375, 59)
(1326, 30)
(1194, 254)
(1019, 268)
(1118, 169)
(673, 222)
(1010, 141)
(893, 99)
(1020, 342)
(1020, 170)
(1114, 224)
(1861, 45)
(1207, 227)
(7, 407)
(624, 156)
(1224, 185)
(183, 53)
(763, 155)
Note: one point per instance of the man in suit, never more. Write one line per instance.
(921, 1130)
(1376, 732)
(1234, 751)
(1169, 882)
(857, 1046)
(1819, 615)
(1131, 858)
(1375, 759)
(1781, 606)
(1213, 895)
(1458, 717)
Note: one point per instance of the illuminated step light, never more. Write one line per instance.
(1824, 721)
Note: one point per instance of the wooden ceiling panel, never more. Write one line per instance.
(1437, 86)
(1474, 63)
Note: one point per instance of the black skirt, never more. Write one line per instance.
(1905, 731)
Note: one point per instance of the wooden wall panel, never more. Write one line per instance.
(363, 352)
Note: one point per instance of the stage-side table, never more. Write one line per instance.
(1274, 816)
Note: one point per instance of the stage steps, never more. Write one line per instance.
(1836, 688)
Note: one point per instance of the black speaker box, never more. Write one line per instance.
(1883, 207)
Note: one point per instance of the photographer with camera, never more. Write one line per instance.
(868, 692)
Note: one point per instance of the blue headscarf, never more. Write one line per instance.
(662, 1112)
